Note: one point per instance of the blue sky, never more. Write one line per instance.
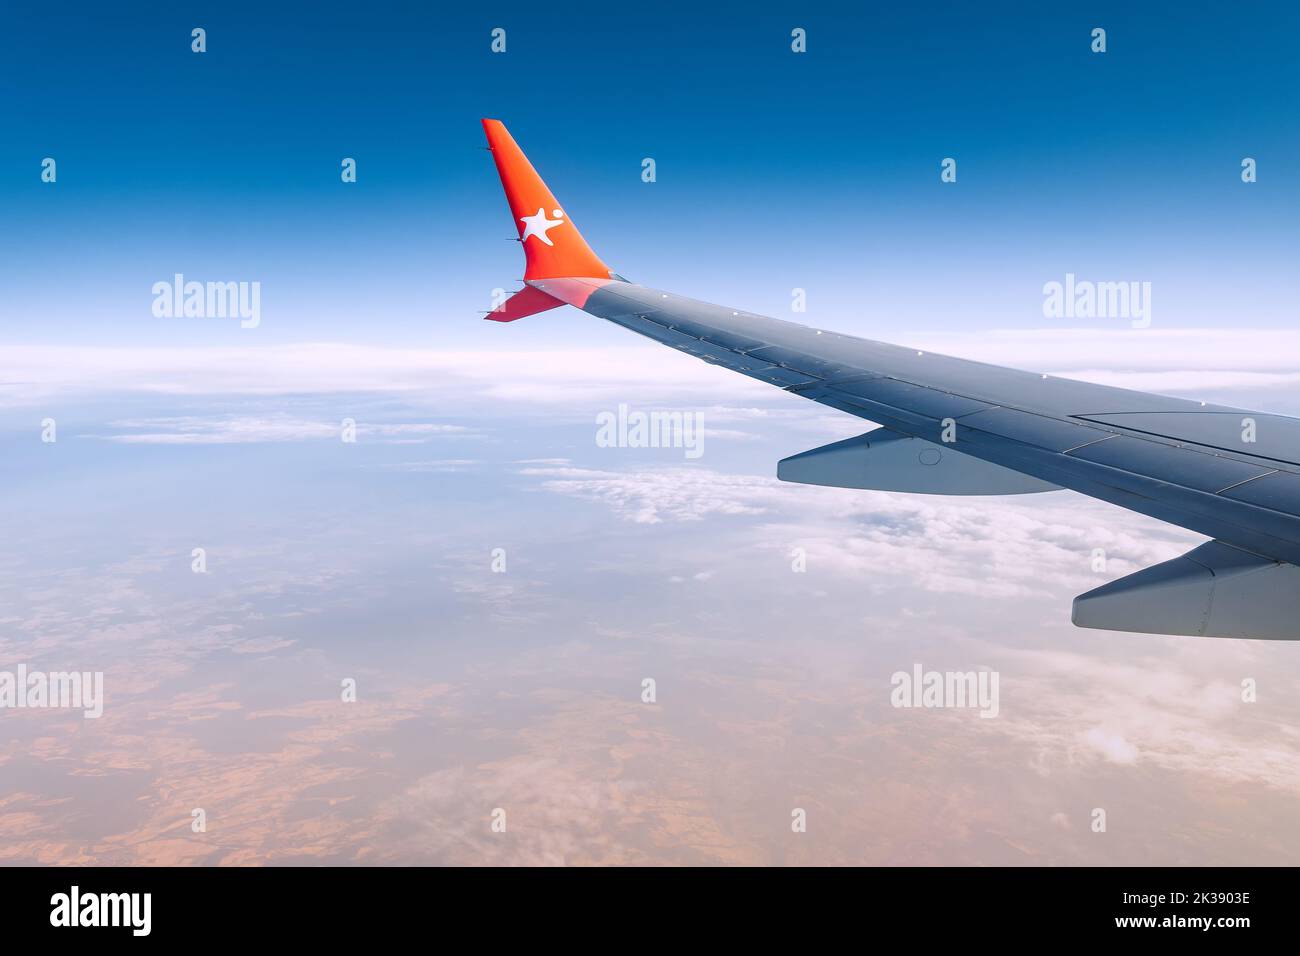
(775, 170)
(521, 689)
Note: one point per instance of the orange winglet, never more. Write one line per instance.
(527, 301)
(553, 247)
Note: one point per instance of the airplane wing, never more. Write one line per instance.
(953, 426)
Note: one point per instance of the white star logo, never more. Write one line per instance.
(538, 225)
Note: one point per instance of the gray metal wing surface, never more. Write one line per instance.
(954, 426)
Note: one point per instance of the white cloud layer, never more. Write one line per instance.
(995, 547)
(227, 430)
(1160, 359)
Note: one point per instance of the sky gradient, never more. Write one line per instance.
(775, 170)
